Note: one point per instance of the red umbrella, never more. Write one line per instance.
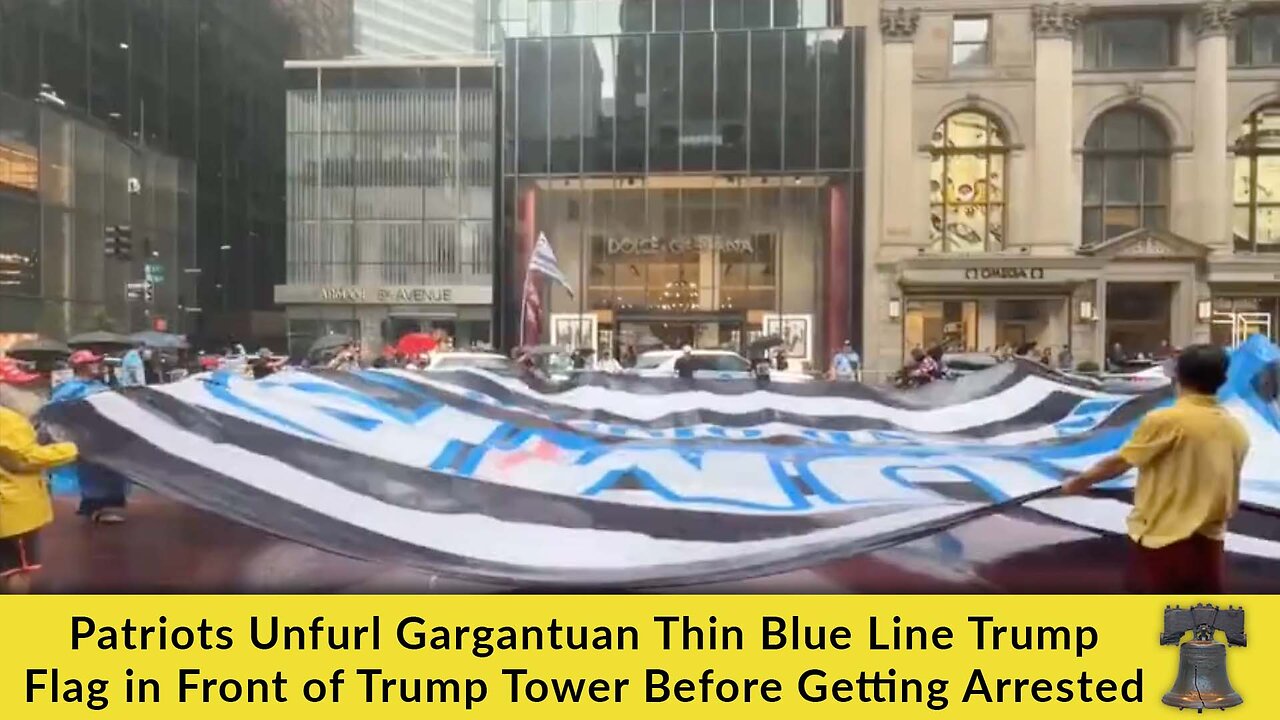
(11, 374)
(415, 344)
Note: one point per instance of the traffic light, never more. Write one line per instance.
(119, 242)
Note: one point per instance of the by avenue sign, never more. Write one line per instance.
(384, 294)
(390, 295)
(1003, 273)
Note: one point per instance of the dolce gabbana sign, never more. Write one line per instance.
(384, 295)
(1003, 273)
(678, 246)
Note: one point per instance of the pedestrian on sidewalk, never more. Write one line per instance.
(1189, 458)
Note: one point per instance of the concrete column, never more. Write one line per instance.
(987, 324)
(898, 29)
(708, 297)
(1054, 207)
(1212, 169)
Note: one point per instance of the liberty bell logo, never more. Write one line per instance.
(1202, 661)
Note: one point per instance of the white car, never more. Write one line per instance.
(448, 361)
(709, 364)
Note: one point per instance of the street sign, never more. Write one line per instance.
(148, 291)
(154, 272)
(134, 291)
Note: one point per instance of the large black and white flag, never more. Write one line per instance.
(615, 481)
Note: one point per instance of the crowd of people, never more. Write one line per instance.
(1188, 456)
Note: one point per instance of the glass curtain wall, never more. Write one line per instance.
(63, 181)
(200, 80)
(391, 176)
(545, 18)
(698, 187)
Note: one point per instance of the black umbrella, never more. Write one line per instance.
(764, 344)
(329, 343)
(38, 348)
(101, 338)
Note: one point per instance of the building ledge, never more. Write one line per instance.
(435, 294)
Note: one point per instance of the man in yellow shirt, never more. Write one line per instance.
(25, 505)
(1189, 457)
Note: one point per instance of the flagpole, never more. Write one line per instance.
(524, 305)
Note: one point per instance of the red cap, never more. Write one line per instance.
(83, 357)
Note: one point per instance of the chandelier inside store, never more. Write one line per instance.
(679, 296)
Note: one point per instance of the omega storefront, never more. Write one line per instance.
(1137, 290)
(698, 188)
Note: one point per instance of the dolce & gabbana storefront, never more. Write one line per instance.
(698, 261)
(698, 188)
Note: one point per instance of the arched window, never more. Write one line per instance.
(1126, 174)
(1257, 183)
(966, 184)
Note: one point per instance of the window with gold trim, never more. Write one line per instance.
(967, 184)
(1257, 183)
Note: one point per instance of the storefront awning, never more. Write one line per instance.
(1000, 275)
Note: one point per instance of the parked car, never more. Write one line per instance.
(448, 361)
(710, 364)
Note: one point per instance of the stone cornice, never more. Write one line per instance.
(899, 25)
(1216, 18)
(1056, 20)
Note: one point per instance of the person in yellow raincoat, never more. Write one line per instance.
(25, 504)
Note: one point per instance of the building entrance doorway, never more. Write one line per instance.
(1138, 318)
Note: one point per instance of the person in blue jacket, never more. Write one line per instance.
(102, 491)
(133, 369)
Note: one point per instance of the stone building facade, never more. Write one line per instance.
(1078, 176)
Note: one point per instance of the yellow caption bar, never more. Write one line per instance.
(522, 656)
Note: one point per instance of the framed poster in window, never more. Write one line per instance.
(796, 332)
(574, 331)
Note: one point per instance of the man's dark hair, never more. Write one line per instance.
(1202, 368)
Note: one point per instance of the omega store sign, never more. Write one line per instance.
(991, 276)
(1004, 273)
(383, 295)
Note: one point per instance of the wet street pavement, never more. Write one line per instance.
(166, 547)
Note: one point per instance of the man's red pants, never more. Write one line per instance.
(1194, 565)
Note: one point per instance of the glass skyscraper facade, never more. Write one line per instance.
(62, 181)
(422, 28)
(696, 170)
(391, 176)
(198, 81)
